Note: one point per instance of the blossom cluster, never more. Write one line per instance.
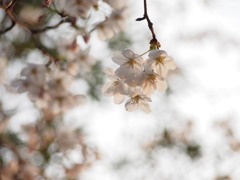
(137, 78)
(47, 88)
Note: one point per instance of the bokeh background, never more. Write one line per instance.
(192, 132)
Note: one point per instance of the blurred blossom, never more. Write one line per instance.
(71, 138)
(112, 25)
(31, 15)
(116, 4)
(76, 7)
(3, 63)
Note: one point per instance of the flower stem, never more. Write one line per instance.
(145, 52)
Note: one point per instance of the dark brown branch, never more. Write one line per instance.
(9, 12)
(36, 31)
(154, 42)
(44, 50)
(8, 28)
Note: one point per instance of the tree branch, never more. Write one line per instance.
(8, 28)
(154, 42)
(36, 31)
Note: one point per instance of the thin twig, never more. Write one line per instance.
(44, 51)
(9, 12)
(36, 31)
(154, 40)
(8, 28)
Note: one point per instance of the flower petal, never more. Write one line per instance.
(129, 106)
(157, 53)
(162, 85)
(119, 60)
(107, 89)
(144, 106)
(169, 63)
(128, 53)
(148, 88)
(118, 98)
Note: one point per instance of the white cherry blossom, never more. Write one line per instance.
(151, 81)
(161, 62)
(115, 88)
(130, 66)
(138, 100)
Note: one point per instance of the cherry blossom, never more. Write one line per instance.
(151, 81)
(115, 88)
(130, 66)
(138, 100)
(161, 62)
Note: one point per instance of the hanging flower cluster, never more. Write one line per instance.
(137, 78)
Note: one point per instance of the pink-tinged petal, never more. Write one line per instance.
(110, 74)
(121, 72)
(157, 68)
(129, 106)
(119, 60)
(107, 89)
(105, 33)
(80, 99)
(138, 66)
(118, 98)
(163, 71)
(148, 88)
(145, 98)
(128, 53)
(138, 58)
(145, 106)
(150, 61)
(157, 53)
(170, 64)
(109, 71)
(162, 85)
(123, 88)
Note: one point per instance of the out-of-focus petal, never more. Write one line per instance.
(156, 53)
(129, 106)
(148, 88)
(169, 63)
(145, 106)
(162, 85)
(128, 53)
(107, 89)
(118, 98)
(119, 60)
